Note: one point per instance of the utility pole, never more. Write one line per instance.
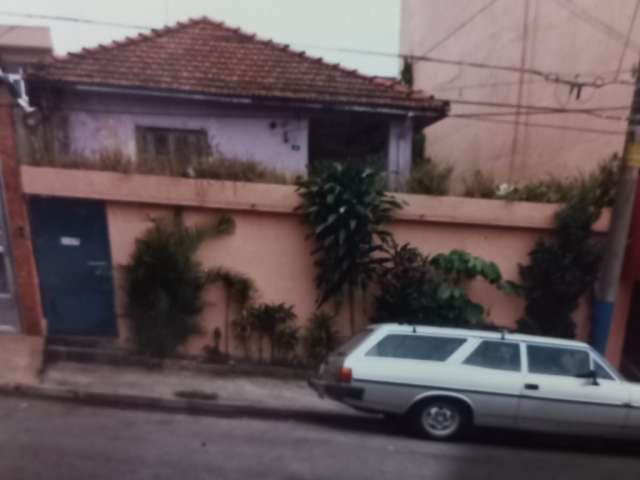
(606, 288)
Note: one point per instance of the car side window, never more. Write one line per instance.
(601, 372)
(416, 347)
(569, 362)
(498, 355)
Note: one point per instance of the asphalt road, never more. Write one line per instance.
(58, 441)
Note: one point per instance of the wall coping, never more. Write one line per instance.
(280, 199)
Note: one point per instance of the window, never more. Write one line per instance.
(557, 360)
(497, 355)
(601, 372)
(171, 145)
(416, 347)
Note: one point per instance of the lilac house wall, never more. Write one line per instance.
(273, 138)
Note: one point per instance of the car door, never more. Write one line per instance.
(556, 395)
(492, 379)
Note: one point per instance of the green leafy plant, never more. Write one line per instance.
(344, 208)
(419, 290)
(320, 337)
(270, 321)
(164, 283)
(562, 269)
(239, 290)
(429, 178)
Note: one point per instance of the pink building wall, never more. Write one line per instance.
(269, 244)
(576, 40)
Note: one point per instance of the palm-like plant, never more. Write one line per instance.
(344, 208)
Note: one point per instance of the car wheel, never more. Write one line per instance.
(441, 419)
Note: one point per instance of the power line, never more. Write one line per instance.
(594, 22)
(540, 108)
(547, 76)
(61, 18)
(453, 32)
(628, 38)
(547, 125)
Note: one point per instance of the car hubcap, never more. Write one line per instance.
(440, 420)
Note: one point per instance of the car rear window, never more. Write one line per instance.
(416, 347)
(496, 355)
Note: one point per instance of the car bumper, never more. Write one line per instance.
(335, 391)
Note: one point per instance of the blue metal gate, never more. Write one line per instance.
(74, 266)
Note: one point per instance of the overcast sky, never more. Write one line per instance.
(332, 23)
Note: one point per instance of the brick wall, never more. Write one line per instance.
(26, 279)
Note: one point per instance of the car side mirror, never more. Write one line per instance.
(591, 375)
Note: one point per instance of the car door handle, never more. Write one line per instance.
(531, 386)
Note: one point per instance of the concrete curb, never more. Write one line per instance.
(212, 408)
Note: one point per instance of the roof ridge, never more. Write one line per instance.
(285, 47)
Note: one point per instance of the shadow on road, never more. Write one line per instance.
(489, 437)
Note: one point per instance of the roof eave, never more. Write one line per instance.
(424, 114)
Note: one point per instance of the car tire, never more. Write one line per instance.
(441, 418)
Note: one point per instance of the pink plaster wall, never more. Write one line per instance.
(21, 358)
(269, 245)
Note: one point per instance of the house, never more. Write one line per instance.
(512, 123)
(201, 86)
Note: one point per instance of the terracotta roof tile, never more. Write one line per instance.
(205, 56)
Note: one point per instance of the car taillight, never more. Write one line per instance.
(344, 375)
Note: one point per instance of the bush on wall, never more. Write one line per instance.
(344, 208)
(270, 321)
(164, 283)
(562, 269)
(416, 289)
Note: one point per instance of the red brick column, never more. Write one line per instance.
(28, 293)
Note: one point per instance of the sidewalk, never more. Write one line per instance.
(179, 391)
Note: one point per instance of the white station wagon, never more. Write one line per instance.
(446, 380)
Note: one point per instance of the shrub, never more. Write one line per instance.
(429, 178)
(419, 290)
(285, 343)
(213, 167)
(562, 269)
(599, 185)
(320, 337)
(344, 208)
(239, 290)
(213, 353)
(270, 321)
(164, 283)
(480, 185)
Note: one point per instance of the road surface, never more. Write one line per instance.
(58, 441)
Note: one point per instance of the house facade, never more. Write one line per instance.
(560, 106)
(201, 87)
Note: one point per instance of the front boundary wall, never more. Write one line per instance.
(269, 242)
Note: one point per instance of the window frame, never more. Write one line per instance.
(366, 348)
(563, 347)
(145, 141)
(481, 341)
